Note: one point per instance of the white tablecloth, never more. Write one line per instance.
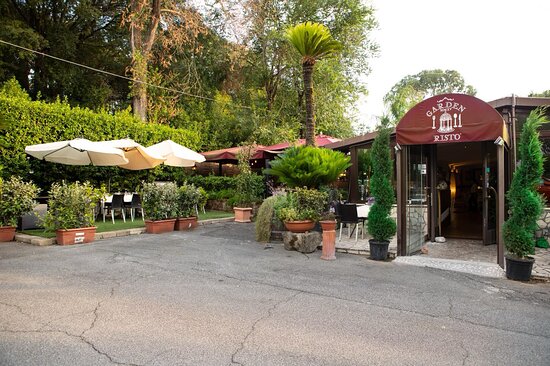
(363, 210)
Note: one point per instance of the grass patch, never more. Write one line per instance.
(121, 225)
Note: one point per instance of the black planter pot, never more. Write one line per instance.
(519, 269)
(378, 249)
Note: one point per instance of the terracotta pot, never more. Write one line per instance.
(159, 226)
(328, 225)
(299, 226)
(329, 239)
(7, 233)
(242, 214)
(186, 223)
(75, 236)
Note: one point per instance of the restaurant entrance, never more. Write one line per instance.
(450, 155)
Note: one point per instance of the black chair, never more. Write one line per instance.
(133, 205)
(347, 213)
(116, 204)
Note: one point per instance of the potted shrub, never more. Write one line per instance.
(71, 212)
(299, 209)
(16, 200)
(246, 187)
(189, 198)
(524, 202)
(160, 204)
(380, 225)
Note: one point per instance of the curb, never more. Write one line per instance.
(38, 241)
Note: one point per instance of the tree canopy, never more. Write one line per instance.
(412, 89)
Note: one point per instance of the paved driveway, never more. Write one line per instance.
(216, 297)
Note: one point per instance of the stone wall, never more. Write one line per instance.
(544, 224)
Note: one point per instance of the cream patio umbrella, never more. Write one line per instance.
(78, 152)
(176, 154)
(138, 157)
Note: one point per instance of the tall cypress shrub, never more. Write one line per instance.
(380, 225)
(525, 203)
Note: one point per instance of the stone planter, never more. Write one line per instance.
(75, 236)
(159, 226)
(299, 226)
(329, 239)
(7, 233)
(186, 223)
(519, 269)
(242, 214)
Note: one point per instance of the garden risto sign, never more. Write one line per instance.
(449, 118)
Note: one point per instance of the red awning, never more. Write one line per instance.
(225, 154)
(448, 118)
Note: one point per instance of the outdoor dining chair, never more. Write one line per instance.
(116, 204)
(347, 213)
(134, 205)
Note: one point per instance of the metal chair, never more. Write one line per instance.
(133, 205)
(116, 204)
(347, 213)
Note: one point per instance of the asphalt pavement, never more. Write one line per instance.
(216, 297)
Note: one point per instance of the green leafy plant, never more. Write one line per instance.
(189, 197)
(380, 225)
(264, 219)
(306, 166)
(301, 204)
(71, 206)
(16, 200)
(160, 201)
(525, 203)
(246, 183)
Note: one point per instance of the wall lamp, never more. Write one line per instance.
(397, 147)
(499, 141)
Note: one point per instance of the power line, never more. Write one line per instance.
(115, 75)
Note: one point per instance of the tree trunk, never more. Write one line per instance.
(139, 89)
(310, 104)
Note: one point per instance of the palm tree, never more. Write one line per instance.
(314, 42)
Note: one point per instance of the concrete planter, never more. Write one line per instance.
(75, 236)
(242, 214)
(159, 226)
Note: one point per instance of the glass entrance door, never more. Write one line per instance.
(490, 193)
(417, 200)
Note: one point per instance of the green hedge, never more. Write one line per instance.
(225, 187)
(29, 122)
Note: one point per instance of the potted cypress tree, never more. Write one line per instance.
(524, 202)
(246, 195)
(16, 199)
(380, 225)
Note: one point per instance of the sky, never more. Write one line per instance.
(499, 47)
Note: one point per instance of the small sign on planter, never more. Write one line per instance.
(79, 238)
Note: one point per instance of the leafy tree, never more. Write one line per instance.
(314, 42)
(86, 32)
(544, 94)
(412, 89)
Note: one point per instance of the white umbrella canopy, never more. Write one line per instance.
(78, 152)
(138, 157)
(176, 154)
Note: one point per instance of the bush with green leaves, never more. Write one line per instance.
(307, 166)
(16, 199)
(380, 225)
(301, 204)
(264, 219)
(35, 122)
(189, 197)
(160, 201)
(246, 182)
(524, 202)
(71, 205)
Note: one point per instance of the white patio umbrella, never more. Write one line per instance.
(78, 152)
(176, 154)
(138, 157)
